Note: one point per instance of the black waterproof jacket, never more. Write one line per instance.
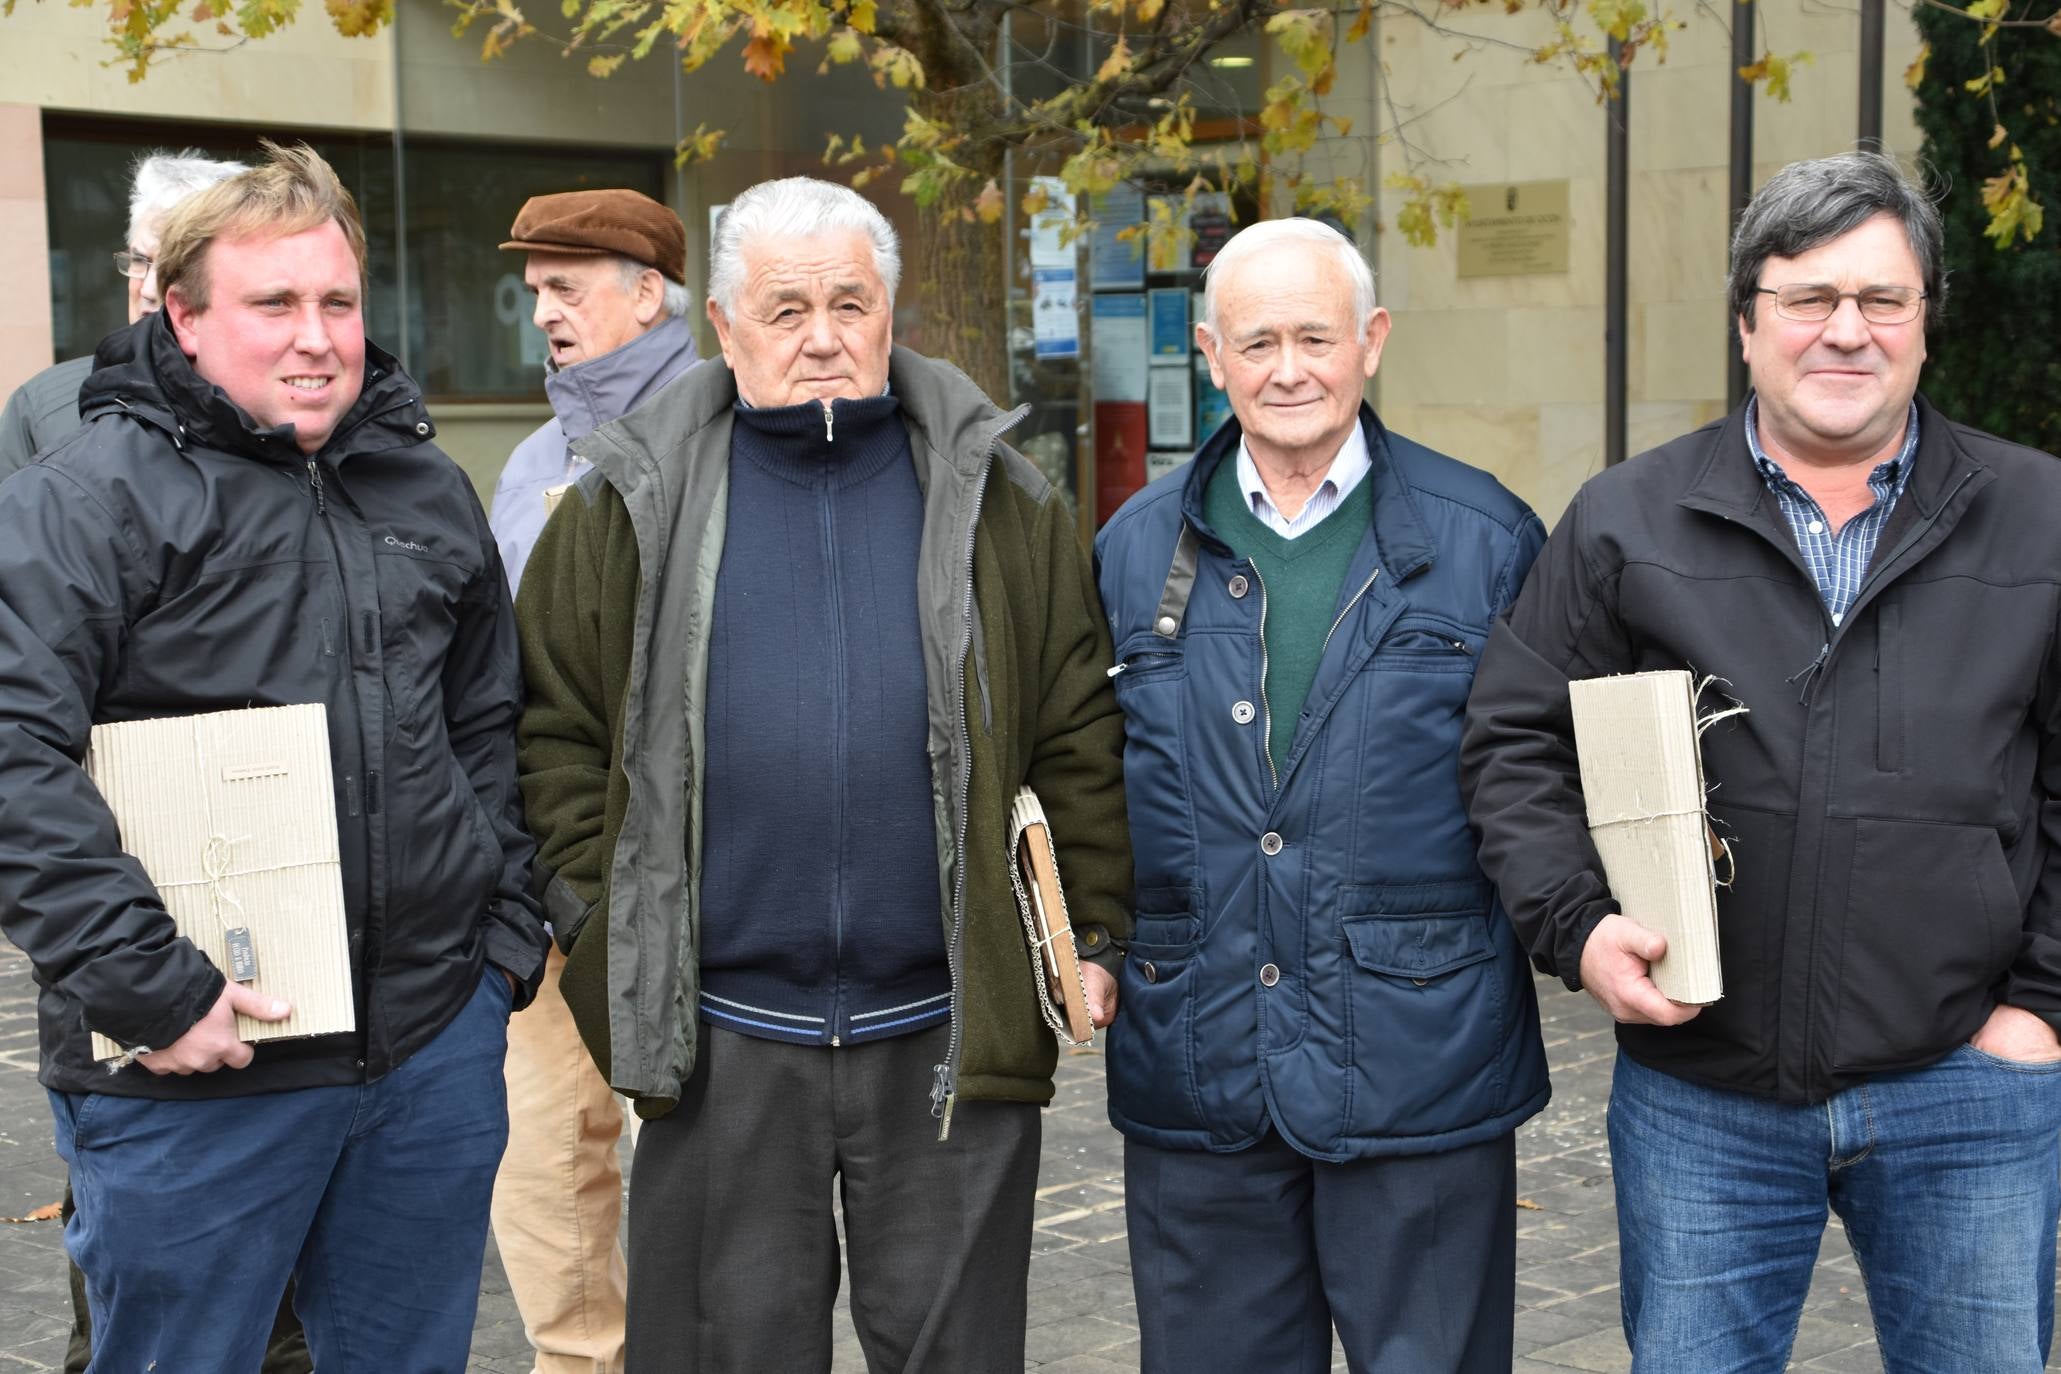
(172, 558)
(1894, 797)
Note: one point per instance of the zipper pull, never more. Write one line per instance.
(1117, 669)
(1808, 674)
(315, 486)
(828, 417)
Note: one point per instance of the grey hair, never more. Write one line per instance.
(796, 207)
(1273, 233)
(162, 180)
(678, 299)
(1808, 204)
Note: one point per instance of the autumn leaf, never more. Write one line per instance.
(765, 56)
(2013, 213)
(1984, 84)
(1997, 137)
(862, 15)
(1149, 10)
(1362, 23)
(1035, 201)
(844, 47)
(699, 146)
(605, 65)
(49, 1211)
(896, 66)
(1304, 37)
(988, 205)
(1117, 63)
(1914, 75)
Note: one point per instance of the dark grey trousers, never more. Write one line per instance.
(733, 1241)
(1242, 1262)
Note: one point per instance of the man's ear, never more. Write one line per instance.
(722, 325)
(183, 318)
(1206, 340)
(1372, 341)
(650, 301)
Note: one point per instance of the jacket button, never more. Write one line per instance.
(1269, 975)
(1242, 713)
(422, 426)
(1091, 937)
(1238, 586)
(1166, 625)
(1151, 973)
(1270, 843)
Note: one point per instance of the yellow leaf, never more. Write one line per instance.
(1914, 75)
(862, 15)
(1996, 139)
(604, 65)
(844, 47)
(1362, 22)
(1987, 9)
(988, 204)
(1148, 10)
(1118, 62)
(1035, 201)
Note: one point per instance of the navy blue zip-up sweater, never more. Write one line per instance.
(819, 886)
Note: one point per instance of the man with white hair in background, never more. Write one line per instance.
(1330, 1035)
(791, 649)
(45, 408)
(608, 270)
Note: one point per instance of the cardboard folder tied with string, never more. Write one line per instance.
(1055, 963)
(232, 815)
(1637, 741)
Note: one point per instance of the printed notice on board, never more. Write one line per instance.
(1514, 229)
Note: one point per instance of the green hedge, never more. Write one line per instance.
(1996, 349)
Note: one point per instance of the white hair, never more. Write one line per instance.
(162, 180)
(796, 207)
(678, 299)
(1256, 238)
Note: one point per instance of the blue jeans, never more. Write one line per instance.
(1946, 1179)
(192, 1214)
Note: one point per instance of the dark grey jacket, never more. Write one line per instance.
(1894, 797)
(171, 558)
(42, 410)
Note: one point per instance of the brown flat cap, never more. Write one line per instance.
(626, 223)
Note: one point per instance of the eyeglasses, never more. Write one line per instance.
(134, 265)
(1811, 303)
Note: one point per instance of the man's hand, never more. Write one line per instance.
(1101, 987)
(2015, 1033)
(1614, 971)
(211, 1042)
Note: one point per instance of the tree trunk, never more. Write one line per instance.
(959, 262)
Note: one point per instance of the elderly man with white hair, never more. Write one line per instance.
(1330, 1035)
(45, 408)
(792, 647)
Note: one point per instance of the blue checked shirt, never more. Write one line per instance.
(1837, 560)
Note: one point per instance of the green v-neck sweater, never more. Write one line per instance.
(1301, 579)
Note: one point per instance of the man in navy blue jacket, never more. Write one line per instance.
(1330, 1035)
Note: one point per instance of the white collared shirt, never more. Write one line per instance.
(1346, 472)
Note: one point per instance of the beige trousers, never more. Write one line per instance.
(558, 1197)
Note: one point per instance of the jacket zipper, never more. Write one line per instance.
(944, 1088)
(837, 745)
(1266, 707)
(1364, 587)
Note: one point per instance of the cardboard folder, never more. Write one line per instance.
(1642, 780)
(1055, 963)
(233, 816)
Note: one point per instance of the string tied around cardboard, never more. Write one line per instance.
(1641, 814)
(217, 867)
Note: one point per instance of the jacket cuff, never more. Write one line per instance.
(1585, 923)
(522, 956)
(567, 911)
(1093, 945)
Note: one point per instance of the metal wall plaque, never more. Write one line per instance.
(1516, 229)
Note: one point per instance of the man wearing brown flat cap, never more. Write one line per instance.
(608, 270)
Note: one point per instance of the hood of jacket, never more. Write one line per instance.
(141, 369)
(588, 395)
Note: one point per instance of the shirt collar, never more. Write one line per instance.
(1889, 475)
(1348, 466)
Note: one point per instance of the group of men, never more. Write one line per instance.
(703, 756)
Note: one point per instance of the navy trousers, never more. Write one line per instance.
(191, 1215)
(1245, 1261)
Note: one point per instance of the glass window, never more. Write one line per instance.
(470, 335)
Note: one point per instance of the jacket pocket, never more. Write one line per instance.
(1152, 1042)
(1931, 922)
(1425, 1010)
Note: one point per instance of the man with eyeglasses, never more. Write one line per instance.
(45, 408)
(1879, 586)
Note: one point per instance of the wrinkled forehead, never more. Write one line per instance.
(1876, 252)
(811, 266)
(1283, 292)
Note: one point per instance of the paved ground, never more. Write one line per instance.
(1082, 1318)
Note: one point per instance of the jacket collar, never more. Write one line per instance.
(952, 416)
(141, 370)
(1728, 484)
(1402, 541)
(588, 395)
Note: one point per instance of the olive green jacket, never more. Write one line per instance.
(614, 612)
